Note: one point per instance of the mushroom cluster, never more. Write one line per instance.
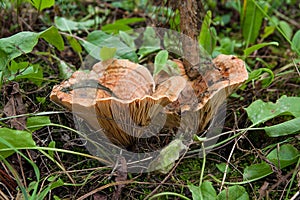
(124, 100)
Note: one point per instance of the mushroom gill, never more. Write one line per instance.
(122, 99)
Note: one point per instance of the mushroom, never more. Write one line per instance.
(123, 100)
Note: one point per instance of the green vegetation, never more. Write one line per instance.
(43, 42)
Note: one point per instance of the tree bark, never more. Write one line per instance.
(190, 25)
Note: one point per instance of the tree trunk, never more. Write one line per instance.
(190, 25)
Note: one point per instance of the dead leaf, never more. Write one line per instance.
(121, 176)
(14, 106)
(263, 190)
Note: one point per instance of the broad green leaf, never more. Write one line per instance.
(233, 193)
(15, 67)
(37, 122)
(286, 28)
(98, 39)
(107, 53)
(34, 73)
(222, 167)
(65, 70)
(207, 38)
(160, 61)
(285, 128)
(64, 24)
(196, 192)
(259, 111)
(74, 44)
(129, 41)
(15, 138)
(296, 42)
(4, 59)
(115, 28)
(256, 171)
(256, 74)
(52, 36)
(167, 157)
(208, 191)
(42, 4)
(121, 25)
(268, 30)
(41, 100)
(227, 46)
(287, 155)
(252, 20)
(16, 45)
(150, 43)
(205, 192)
(92, 49)
(253, 48)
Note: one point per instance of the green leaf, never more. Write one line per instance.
(33, 73)
(252, 20)
(167, 157)
(16, 45)
(115, 28)
(41, 100)
(51, 186)
(287, 155)
(233, 193)
(205, 192)
(42, 4)
(51, 145)
(107, 53)
(37, 122)
(52, 36)
(227, 46)
(15, 67)
(4, 59)
(65, 70)
(92, 49)
(1, 79)
(296, 42)
(127, 5)
(286, 28)
(64, 24)
(259, 111)
(160, 61)
(150, 43)
(98, 39)
(268, 30)
(253, 48)
(129, 41)
(222, 167)
(285, 128)
(207, 37)
(256, 171)
(129, 20)
(196, 192)
(256, 74)
(121, 25)
(15, 138)
(74, 44)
